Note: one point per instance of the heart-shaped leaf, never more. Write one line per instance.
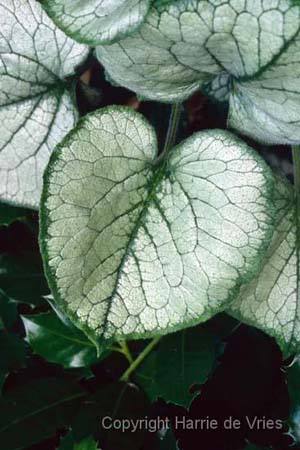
(36, 105)
(95, 22)
(271, 301)
(133, 248)
(245, 51)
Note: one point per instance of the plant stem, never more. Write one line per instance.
(139, 359)
(296, 161)
(113, 348)
(126, 351)
(172, 131)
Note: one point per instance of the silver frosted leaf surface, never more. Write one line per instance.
(96, 22)
(135, 250)
(267, 107)
(271, 301)
(36, 106)
(241, 51)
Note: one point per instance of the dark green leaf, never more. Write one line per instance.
(58, 343)
(114, 401)
(34, 412)
(12, 352)
(9, 214)
(22, 279)
(189, 354)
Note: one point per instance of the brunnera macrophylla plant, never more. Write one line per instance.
(138, 244)
(97, 22)
(135, 248)
(37, 64)
(246, 51)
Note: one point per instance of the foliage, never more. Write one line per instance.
(36, 103)
(178, 221)
(58, 343)
(149, 272)
(97, 22)
(191, 354)
(245, 52)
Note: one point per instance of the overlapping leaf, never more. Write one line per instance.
(96, 21)
(58, 343)
(132, 249)
(246, 51)
(36, 105)
(190, 354)
(271, 301)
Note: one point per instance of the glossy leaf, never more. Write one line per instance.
(34, 411)
(36, 105)
(247, 52)
(271, 301)
(118, 401)
(189, 354)
(54, 341)
(132, 249)
(95, 21)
